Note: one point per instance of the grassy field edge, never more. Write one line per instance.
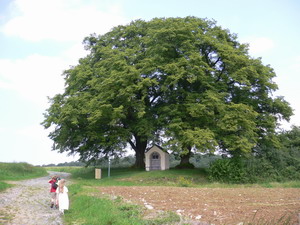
(18, 171)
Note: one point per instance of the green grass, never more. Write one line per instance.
(4, 186)
(172, 177)
(18, 171)
(87, 209)
(67, 169)
(287, 184)
(136, 177)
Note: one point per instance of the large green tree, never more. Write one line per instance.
(185, 79)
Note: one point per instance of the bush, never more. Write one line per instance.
(185, 166)
(203, 160)
(290, 173)
(260, 170)
(273, 165)
(227, 170)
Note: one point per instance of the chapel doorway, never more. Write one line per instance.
(155, 161)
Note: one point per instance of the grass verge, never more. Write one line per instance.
(4, 186)
(18, 171)
(88, 209)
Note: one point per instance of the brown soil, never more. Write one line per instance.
(217, 205)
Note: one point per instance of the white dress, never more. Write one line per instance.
(63, 199)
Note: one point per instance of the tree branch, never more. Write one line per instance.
(132, 145)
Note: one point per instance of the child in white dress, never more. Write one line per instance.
(62, 196)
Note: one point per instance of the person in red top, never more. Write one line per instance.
(53, 191)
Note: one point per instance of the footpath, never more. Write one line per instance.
(28, 202)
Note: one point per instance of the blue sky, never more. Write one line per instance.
(41, 38)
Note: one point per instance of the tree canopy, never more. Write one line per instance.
(184, 82)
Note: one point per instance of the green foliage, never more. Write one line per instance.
(260, 170)
(273, 165)
(227, 170)
(291, 173)
(291, 138)
(203, 161)
(283, 163)
(20, 171)
(183, 81)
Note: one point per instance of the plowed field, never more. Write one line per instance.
(217, 205)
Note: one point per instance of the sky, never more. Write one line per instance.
(39, 39)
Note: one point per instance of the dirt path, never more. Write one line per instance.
(217, 205)
(29, 203)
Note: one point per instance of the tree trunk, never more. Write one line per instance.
(185, 159)
(139, 147)
(139, 159)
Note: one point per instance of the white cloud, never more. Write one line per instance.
(31, 144)
(288, 82)
(259, 45)
(74, 53)
(34, 77)
(37, 76)
(58, 20)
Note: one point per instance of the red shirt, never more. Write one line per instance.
(51, 182)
